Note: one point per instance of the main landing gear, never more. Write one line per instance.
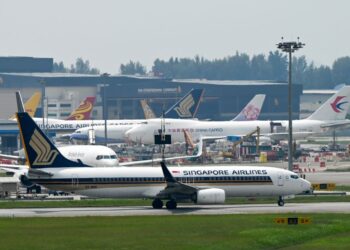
(171, 204)
(280, 201)
(158, 204)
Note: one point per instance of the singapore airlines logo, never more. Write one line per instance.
(44, 154)
(337, 104)
(184, 108)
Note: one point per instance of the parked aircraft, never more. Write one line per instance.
(117, 133)
(331, 115)
(201, 185)
(186, 107)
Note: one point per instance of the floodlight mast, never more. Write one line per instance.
(290, 47)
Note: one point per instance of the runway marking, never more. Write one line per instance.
(326, 207)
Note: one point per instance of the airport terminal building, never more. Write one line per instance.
(222, 100)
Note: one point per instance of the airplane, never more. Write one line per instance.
(331, 115)
(31, 105)
(186, 107)
(117, 133)
(201, 185)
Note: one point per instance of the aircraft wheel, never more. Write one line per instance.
(171, 204)
(157, 204)
(280, 202)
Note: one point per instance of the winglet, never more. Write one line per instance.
(167, 175)
(20, 106)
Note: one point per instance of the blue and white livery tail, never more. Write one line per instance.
(252, 110)
(40, 151)
(187, 106)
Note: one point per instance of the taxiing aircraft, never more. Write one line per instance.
(201, 185)
(331, 115)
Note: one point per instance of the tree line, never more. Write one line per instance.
(240, 66)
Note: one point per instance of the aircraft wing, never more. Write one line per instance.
(10, 157)
(334, 125)
(284, 135)
(173, 187)
(21, 169)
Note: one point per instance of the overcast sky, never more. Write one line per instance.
(111, 32)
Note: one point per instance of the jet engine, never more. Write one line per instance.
(210, 196)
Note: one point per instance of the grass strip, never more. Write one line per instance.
(326, 231)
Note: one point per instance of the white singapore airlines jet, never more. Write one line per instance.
(331, 115)
(201, 185)
(117, 133)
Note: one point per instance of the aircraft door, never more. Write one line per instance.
(280, 180)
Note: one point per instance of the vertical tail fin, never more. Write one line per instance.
(187, 106)
(252, 110)
(31, 104)
(84, 110)
(40, 151)
(335, 108)
(149, 114)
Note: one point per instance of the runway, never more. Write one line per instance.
(326, 207)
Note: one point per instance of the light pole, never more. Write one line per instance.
(290, 47)
(105, 113)
(43, 88)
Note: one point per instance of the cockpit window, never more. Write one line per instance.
(106, 157)
(294, 176)
(113, 157)
(99, 157)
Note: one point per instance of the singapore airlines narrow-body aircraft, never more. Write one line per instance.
(201, 185)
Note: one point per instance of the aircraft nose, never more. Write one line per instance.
(307, 187)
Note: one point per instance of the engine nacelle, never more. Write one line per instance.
(210, 196)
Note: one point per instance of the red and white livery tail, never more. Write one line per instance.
(84, 110)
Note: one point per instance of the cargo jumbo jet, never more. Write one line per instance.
(331, 115)
(201, 185)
